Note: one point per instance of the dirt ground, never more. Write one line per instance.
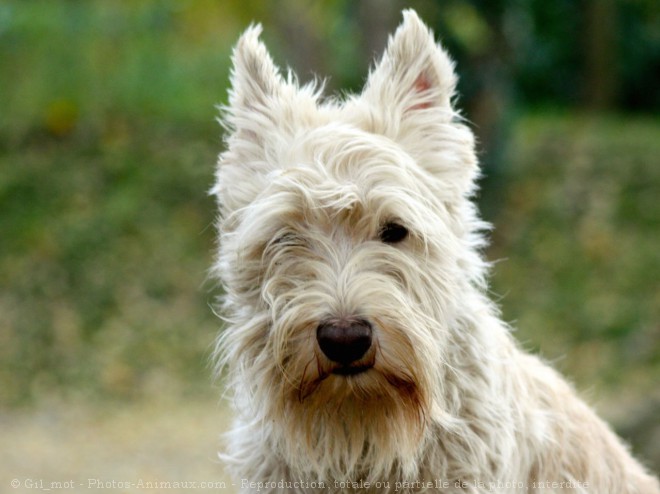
(171, 446)
(143, 447)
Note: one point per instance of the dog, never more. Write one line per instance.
(361, 351)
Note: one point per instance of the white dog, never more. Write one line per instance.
(361, 350)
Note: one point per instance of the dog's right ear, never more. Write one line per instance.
(256, 97)
(256, 85)
(264, 112)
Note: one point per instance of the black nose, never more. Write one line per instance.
(344, 340)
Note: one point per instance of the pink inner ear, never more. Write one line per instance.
(422, 84)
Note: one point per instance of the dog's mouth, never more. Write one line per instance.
(351, 370)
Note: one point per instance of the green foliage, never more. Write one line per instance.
(106, 251)
(577, 229)
(97, 67)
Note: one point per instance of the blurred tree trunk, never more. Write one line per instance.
(601, 54)
(377, 19)
(305, 51)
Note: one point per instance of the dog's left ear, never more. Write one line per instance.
(408, 98)
(414, 74)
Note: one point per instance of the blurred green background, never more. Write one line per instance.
(108, 142)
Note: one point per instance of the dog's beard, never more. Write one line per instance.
(366, 418)
(368, 424)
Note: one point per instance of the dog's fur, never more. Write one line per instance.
(305, 187)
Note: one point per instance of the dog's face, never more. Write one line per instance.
(347, 239)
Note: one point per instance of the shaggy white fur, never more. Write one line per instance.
(356, 214)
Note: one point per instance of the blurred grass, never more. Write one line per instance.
(107, 145)
(106, 253)
(577, 229)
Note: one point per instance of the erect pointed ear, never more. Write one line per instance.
(254, 78)
(256, 97)
(256, 85)
(414, 74)
(408, 98)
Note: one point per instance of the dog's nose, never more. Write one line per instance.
(344, 340)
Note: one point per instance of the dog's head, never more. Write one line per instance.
(348, 248)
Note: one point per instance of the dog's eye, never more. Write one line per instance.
(393, 233)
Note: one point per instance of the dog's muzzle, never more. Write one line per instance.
(345, 341)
